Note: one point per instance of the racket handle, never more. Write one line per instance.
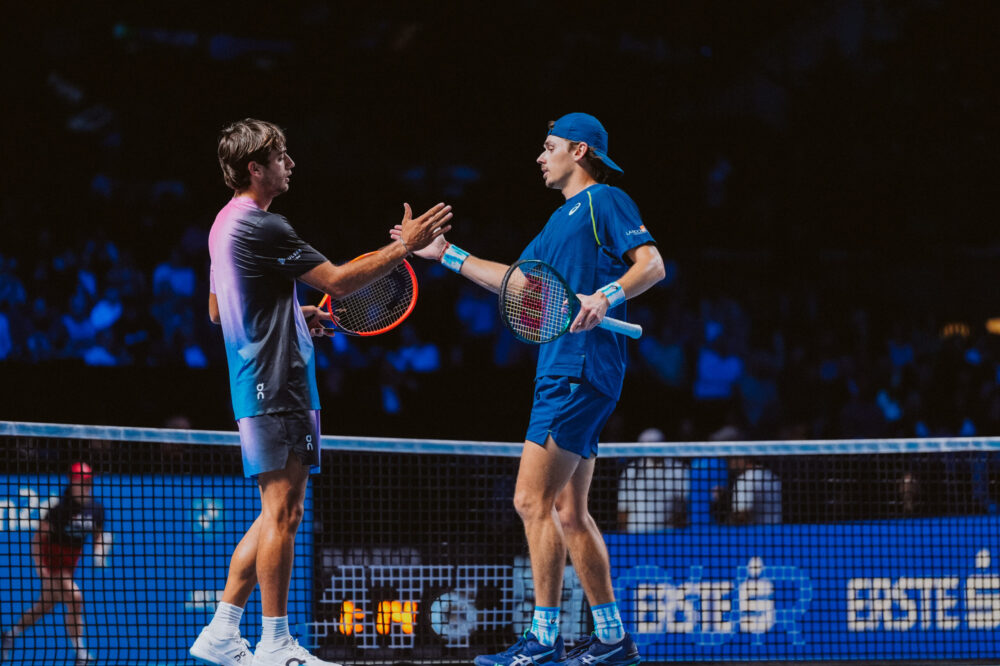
(633, 331)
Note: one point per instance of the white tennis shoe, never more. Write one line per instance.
(289, 653)
(230, 651)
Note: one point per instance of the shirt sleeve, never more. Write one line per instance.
(211, 279)
(622, 228)
(743, 494)
(626, 489)
(50, 512)
(279, 248)
(530, 252)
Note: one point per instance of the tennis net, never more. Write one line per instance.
(410, 550)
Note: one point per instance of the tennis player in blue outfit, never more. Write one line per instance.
(598, 242)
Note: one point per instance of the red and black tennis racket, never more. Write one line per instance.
(538, 306)
(379, 306)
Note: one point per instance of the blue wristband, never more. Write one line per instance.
(614, 293)
(454, 257)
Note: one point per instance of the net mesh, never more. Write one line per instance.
(378, 305)
(410, 550)
(534, 302)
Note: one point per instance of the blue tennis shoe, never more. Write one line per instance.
(592, 651)
(525, 652)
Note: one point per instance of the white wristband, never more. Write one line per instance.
(614, 293)
(454, 257)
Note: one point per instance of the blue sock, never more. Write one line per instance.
(545, 625)
(608, 623)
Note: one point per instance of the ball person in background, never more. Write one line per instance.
(598, 242)
(257, 257)
(56, 548)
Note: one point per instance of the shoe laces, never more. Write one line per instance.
(583, 647)
(236, 637)
(519, 645)
(300, 652)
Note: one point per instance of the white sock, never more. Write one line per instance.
(226, 620)
(80, 648)
(545, 625)
(275, 630)
(608, 623)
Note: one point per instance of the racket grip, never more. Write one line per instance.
(633, 331)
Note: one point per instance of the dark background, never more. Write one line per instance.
(820, 177)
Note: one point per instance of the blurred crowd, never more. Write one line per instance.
(784, 362)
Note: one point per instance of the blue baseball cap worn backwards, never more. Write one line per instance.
(585, 127)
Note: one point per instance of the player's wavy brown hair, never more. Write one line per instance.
(598, 169)
(245, 141)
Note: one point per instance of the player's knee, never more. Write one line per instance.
(528, 505)
(531, 506)
(573, 520)
(574, 515)
(287, 515)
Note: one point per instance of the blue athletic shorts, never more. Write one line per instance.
(267, 439)
(572, 411)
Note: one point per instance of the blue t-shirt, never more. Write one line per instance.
(256, 257)
(585, 240)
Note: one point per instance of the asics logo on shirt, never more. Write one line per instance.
(575, 208)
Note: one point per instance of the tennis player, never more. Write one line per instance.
(56, 548)
(598, 242)
(256, 259)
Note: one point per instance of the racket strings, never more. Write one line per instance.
(377, 305)
(536, 305)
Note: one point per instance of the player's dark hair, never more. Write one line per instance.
(245, 141)
(597, 168)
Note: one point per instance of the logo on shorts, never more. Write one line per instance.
(575, 208)
(309, 442)
(260, 391)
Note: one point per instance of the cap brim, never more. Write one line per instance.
(609, 162)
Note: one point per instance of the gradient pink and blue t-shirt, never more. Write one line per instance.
(256, 258)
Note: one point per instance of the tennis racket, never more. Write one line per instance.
(379, 306)
(538, 306)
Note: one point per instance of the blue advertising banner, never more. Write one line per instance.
(171, 540)
(905, 589)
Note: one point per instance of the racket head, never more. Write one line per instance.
(379, 306)
(536, 304)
